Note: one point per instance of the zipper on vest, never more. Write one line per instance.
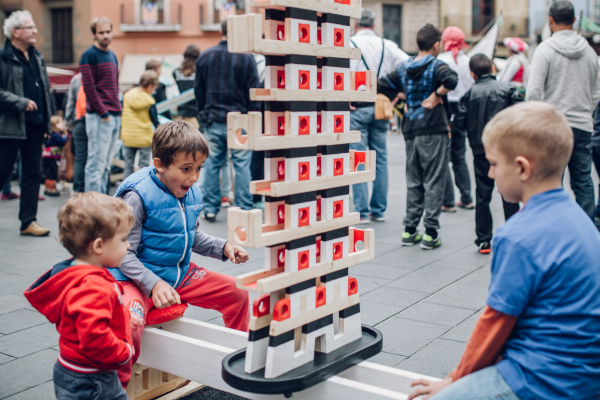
(182, 207)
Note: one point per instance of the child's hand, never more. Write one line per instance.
(236, 254)
(164, 295)
(428, 388)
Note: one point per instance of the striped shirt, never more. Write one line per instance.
(223, 82)
(100, 78)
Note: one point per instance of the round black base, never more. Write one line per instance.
(322, 367)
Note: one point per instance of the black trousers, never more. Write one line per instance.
(31, 158)
(50, 168)
(257, 170)
(484, 187)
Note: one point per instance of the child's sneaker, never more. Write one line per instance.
(51, 189)
(469, 206)
(9, 196)
(225, 202)
(409, 239)
(485, 248)
(448, 209)
(210, 217)
(429, 242)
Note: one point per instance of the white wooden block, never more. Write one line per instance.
(274, 77)
(275, 165)
(336, 288)
(335, 207)
(275, 256)
(335, 164)
(303, 123)
(302, 214)
(303, 31)
(334, 249)
(335, 35)
(300, 168)
(256, 355)
(348, 330)
(300, 254)
(303, 301)
(335, 121)
(274, 210)
(301, 76)
(335, 78)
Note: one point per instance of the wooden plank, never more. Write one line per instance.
(310, 95)
(254, 139)
(267, 284)
(282, 188)
(257, 323)
(280, 327)
(208, 332)
(244, 35)
(244, 228)
(254, 276)
(352, 10)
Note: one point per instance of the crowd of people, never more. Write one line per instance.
(538, 334)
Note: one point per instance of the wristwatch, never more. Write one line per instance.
(437, 94)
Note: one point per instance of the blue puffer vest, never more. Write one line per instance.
(168, 231)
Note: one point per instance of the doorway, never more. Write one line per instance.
(483, 14)
(62, 35)
(392, 23)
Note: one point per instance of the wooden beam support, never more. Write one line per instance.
(353, 10)
(311, 95)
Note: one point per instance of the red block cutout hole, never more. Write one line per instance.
(280, 79)
(303, 260)
(303, 125)
(338, 81)
(319, 36)
(280, 214)
(359, 158)
(281, 258)
(281, 310)
(318, 123)
(280, 169)
(304, 79)
(338, 209)
(352, 286)
(318, 165)
(359, 236)
(338, 123)
(321, 296)
(318, 207)
(280, 32)
(338, 250)
(338, 37)
(360, 79)
(261, 305)
(338, 167)
(303, 216)
(304, 33)
(319, 247)
(280, 126)
(303, 171)
(319, 79)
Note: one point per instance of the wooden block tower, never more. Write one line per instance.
(308, 303)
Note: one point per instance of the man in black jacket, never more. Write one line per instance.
(424, 81)
(485, 99)
(24, 113)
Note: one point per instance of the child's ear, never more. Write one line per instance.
(158, 165)
(473, 75)
(525, 168)
(97, 246)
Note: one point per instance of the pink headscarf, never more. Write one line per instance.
(517, 45)
(454, 40)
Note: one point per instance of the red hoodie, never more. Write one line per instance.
(84, 301)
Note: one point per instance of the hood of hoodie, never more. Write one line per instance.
(568, 43)
(415, 68)
(48, 293)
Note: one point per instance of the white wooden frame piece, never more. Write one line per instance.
(353, 10)
(195, 350)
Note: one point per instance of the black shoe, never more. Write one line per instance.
(485, 248)
(210, 217)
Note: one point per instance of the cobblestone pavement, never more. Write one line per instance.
(426, 303)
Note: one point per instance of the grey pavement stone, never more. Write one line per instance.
(430, 278)
(467, 259)
(481, 277)
(387, 359)
(14, 284)
(4, 358)
(368, 283)
(379, 271)
(461, 295)
(13, 302)
(395, 297)
(27, 372)
(374, 313)
(462, 332)
(19, 320)
(436, 314)
(29, 341)
(45, 391)
(201, 314)
(405, 337)
(437, 359)
(217, 321)
(410, 257)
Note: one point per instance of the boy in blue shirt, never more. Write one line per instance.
(539, 336)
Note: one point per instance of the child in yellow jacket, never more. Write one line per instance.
(137, 128)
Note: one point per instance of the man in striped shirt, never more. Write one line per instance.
(99, 72)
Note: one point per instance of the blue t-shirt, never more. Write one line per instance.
(546, 272)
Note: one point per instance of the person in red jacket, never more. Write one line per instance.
(84, 300)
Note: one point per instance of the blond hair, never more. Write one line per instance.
(148, 78)
(175, 137)
(535, 130)
(54, 121)
(88, 216)
(100, 20)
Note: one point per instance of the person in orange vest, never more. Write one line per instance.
(75, 117)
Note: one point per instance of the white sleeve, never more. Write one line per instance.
(510, 70)
(395, 57)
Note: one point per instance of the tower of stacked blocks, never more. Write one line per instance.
(308, 303)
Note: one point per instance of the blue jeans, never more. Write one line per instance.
(596, 158)
(102, 136)
(580, 171)
(70, 385)
(216, 135)
(486, 384)
(374, 136)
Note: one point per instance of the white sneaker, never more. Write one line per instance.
(364, 221)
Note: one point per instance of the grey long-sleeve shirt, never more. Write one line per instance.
(72, 98)
(132, 267)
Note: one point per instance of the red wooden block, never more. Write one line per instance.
(304, 79)
(281, 257)
(319, 79)
(303, 216)
(282, 310)
(338, 166)
(261, 305)
(281, 126)
(359, 236)
(352, 286)
(338, 37)
(281, 32)
(304, 33)
(280, 214)
(360, 79)
(359, 158)
(321, 296)
(338, 81)
(303, 171)
(338, 124)
(304, 125)
(281, 170)
(319, 124)
(281, 79)
(303, 259)
(338, 209)
(319, 247)
(338, 250)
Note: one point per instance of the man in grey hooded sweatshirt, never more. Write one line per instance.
(565, 74)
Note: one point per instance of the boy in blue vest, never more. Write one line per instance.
(424, 81)
(538, 335)
(157, 271)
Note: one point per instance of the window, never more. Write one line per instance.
(62, 35)
(392, 23)
(483, 14)
(152, 12)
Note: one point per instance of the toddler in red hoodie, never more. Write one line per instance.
(84, 300)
